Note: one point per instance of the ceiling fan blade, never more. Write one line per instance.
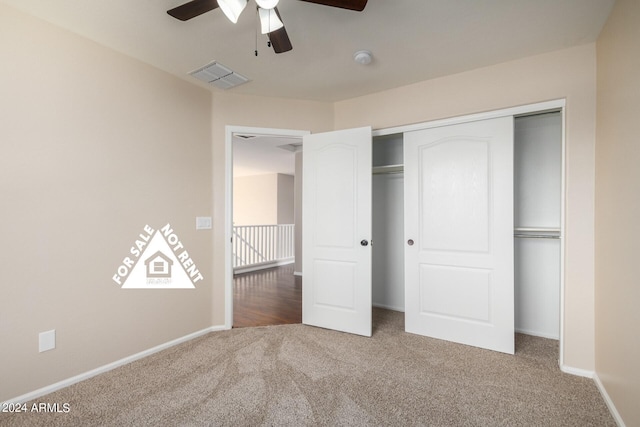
(280, 39)
(192, 9)
(357, 5)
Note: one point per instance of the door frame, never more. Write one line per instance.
(229, 131)
(551, 105)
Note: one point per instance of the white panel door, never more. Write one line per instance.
(459, 280)
(336, 230)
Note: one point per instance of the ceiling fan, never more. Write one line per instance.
(271, 22)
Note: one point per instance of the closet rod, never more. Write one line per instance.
(387, 172)
(388, 169)
(535, 236)
(536, 230)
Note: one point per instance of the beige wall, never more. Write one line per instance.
(285, 199)
(263, 199)
(255, 200)
(618, 210)
(566, 74)
(95, 146)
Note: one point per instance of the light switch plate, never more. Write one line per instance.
(47, 340)
(203, 223)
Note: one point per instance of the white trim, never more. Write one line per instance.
(297, 273)
(576, 371)
(603, 391)
(537, 334)
(511, 111)
(228, 227)
(388, 307)
(106, 368)
(563, 201)
(263, 266)
(228, 201)
(607, 399)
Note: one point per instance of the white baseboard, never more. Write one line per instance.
(576, 371)
(263, 266)
(297, 273)
(538, 334)
(92, 373)
(594, 376)
(388, 307)
(608, 401)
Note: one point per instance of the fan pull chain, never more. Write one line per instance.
(257, 23)
(269, 34)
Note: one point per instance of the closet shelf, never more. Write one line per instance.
(387, 169)
(536, 230)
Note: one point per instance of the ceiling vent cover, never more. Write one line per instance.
(219, 76)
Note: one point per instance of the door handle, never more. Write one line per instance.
(364, 242)
(410, 242)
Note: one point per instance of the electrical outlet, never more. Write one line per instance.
(47, 340)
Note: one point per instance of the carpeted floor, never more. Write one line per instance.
(298, 375)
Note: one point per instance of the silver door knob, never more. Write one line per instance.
(364, 242)
(410, 242)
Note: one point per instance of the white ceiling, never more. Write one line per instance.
(411, 41)
(262, 154)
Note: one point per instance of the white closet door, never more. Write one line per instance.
(459, 233)
(336, 230)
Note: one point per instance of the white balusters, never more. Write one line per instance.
(262, 246)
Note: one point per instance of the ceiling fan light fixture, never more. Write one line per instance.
(269, 21)
(232, 8)
(267, 4)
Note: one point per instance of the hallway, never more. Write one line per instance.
(267, 297)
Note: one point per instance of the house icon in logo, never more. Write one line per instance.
(158, 265)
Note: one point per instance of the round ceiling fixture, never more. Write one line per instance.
(363, 57)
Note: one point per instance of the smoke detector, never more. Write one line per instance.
(363, 57)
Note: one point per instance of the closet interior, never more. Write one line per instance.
(537, 223)
(388, 222)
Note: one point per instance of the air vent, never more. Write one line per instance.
(219, 76)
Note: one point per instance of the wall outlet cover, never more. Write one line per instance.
(47, 340)
(203, 223)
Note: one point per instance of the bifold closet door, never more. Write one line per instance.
(459, 266)
(336, 230)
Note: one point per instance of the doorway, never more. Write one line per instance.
(261, 227)
(267, 297)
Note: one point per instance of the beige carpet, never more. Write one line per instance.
(298, 375)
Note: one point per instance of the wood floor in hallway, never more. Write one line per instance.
(267, 297)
